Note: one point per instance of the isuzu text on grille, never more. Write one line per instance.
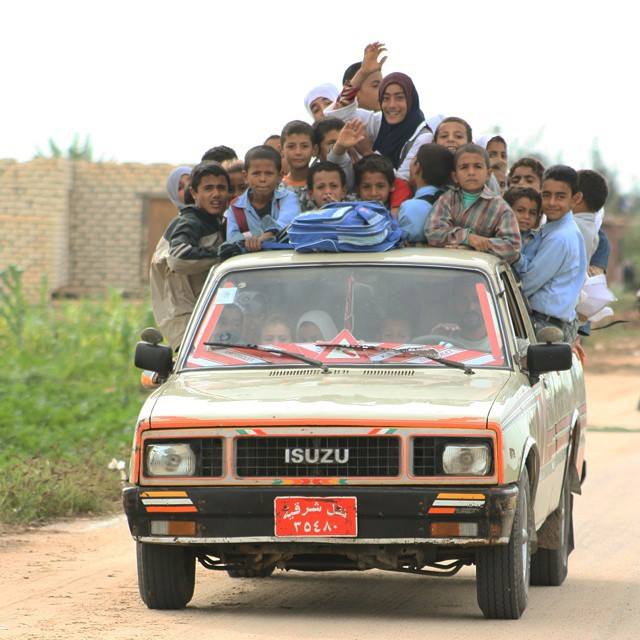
(316, 456)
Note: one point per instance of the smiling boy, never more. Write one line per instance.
(187, 250)
(471, 215)
(374, 179)
(554, 272)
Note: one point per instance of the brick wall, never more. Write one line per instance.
(79, 225)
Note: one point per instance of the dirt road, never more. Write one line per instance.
(77, 581)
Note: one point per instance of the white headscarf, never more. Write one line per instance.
(483, 141)
(322, 320)
(328, 91)
(173, 183)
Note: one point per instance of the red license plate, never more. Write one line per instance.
(304, 517)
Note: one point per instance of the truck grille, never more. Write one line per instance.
(300, 457)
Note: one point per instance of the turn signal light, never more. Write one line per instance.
(454, 529)
(173, 528)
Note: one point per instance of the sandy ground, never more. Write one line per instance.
(77, 580)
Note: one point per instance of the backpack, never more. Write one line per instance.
(431, 198)
(345, 227)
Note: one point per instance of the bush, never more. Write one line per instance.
(69, 397)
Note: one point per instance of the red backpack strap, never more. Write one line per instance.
(241, 218)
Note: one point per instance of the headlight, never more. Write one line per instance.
(172, 459)
(467, 459)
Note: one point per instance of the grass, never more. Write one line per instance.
(69, 397)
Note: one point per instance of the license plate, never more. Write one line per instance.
(303, 517)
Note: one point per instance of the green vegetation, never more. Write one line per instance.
(69, 397)
(76, 151)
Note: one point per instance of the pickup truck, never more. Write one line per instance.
(389, 411)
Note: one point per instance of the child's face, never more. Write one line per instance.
(317, 108)
(525, 177)
(395, 330)
(526, 211)
(374, 187)
(275, 332)
(500, 174)
(452, 135)
(262, 177)
(274, 143)
(497, 150)
(328, 142)
(238, 183)
(471, 172)
(182, 185)
(368, 96)
(394, 104)
(309, 332)
(212, 195)
(327, 187)
(557, 199)
(297, 150)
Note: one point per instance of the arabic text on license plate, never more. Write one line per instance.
(316, 517)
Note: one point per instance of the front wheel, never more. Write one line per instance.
(549, 567)
(502, 571)
(166, 575)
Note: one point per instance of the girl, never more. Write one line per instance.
(176, 183)
(452, 133)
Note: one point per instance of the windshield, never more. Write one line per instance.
(312, 310)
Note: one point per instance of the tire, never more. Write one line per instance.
(549, 567)
(166, 575)
(250, 572)
(502, 571)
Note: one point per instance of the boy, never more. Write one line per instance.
(187, 250)
(325, 134)
(219, 154)
(553, 275)
(235, 169)
(368, 97)
(526, 204)
(374, 179)
(471, 215)
(526, 172)
(452, 133)
(326, 183)
(499, 175)
(265, 207)
(431, 171)
(297, 150)
(593, 193)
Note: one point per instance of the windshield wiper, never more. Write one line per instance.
(282, 352)
(432, 354)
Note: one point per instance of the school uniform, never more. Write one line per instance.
(488, 216)
(414, 213)
(282, 209)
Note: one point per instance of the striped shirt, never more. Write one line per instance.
(489, 216)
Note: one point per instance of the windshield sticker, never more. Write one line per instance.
(226, 295)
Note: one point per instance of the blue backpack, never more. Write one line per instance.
(345, 227)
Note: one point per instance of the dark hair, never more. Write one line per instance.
(535, 165)
(471, 148)
(464, 123)
(511, 196)
(235, 167)
(296, 127)
(593, 186)
(350, 71)
(207, 169)
(219, 154)
(273, 136)
(436, 164)
(262, 152)
(563, 173)
(325, 126)
(325, 166)
(374, 163)
(497, 137)
(188, 196)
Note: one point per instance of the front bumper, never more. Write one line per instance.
(386, 515)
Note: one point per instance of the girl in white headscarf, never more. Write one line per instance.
(176, 182)
(319, 98)
(315, 325)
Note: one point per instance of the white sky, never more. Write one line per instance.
(157, 81)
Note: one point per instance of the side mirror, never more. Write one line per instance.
(151, 355)
(542, 358)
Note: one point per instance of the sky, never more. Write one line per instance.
(164, 81)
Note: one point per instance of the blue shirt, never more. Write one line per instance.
(414, 213)
(554, 268)
(284, 208)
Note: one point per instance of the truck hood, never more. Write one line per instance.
(289, 395)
